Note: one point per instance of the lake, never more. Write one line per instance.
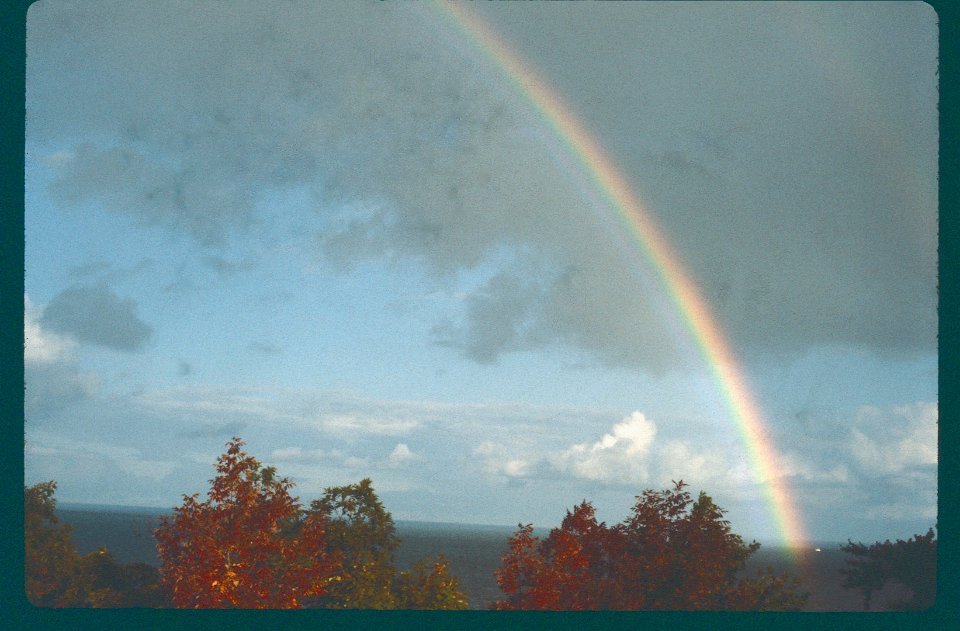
(473, 551)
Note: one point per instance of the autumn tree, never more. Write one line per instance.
(248, 545)
(672, 552)
(912, 563)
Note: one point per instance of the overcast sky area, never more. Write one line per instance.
(340, 232)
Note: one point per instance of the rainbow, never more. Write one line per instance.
(638, 223)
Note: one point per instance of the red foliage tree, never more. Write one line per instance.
(671, 553)
(249, 545)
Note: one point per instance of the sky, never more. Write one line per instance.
(344, 233)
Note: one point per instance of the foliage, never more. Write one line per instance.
(363, 534)
(248, 545)
(113, 585)
(912, 563)
(670, 553)
(52, 573)
(429, 585)
(57, 576)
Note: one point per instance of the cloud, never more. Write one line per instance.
(621, 455)
(904, 511)
(497, 461)
(891, 441)
(499, 317)
(129, 460)
(350, 425)
(678, 460)
(39, 345)
(49, 388)
(52, 380)
(402, 455)
(96, 315)
(222, 430)
(801, 225)
(299, 454)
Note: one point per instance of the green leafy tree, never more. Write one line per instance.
(671, 553)
(106, 585)
(249, 545)
(53, 576)
(110, 584)
(143, 587)
(56, 575)
(429, 585)
(912, 563)
(362, 532)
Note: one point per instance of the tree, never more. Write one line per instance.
(671, 553)
(912, 563)
(56, 575)
(143, 586)
(361, 531)
(569, 570)
(248, 545)
(106, 586)
(110, 584)
(429, 585)
(52, 572)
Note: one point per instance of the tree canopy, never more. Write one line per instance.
(52, 571)
(672, 552)
(252, 545)
(912, 563)
(56, 575)
(249, 545)
(362, 533)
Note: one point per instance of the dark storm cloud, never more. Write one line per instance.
(788, 152)
(96, 315)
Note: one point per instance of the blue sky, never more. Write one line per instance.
(338, 232)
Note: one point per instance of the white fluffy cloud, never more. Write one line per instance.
(678, 459)
(401, 455)
(497, 460)
(622, 455)
(888, 441)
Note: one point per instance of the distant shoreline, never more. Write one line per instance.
(541, 531)
(474, 551)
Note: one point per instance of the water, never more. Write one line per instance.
(473, 553)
